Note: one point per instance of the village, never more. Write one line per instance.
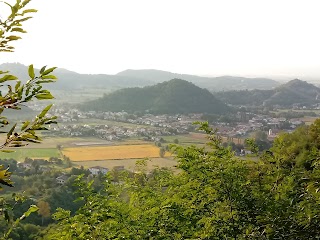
(115, 126)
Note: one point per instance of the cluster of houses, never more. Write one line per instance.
(147, 126)
(151, 126)
(258, 122)
(63, 178)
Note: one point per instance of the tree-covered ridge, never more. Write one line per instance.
(175, 96)
(244, 97)
(214, 195)
(295, 91)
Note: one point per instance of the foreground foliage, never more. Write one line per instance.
(215, 195)
(14, 94)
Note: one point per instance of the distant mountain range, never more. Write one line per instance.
(293, 92)
(72, 80)
(214, 84)
(171, 97)
(228, 89)
(140, 78)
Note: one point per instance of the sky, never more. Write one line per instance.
(271, 38)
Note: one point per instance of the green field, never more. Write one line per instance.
(130, 164)
(21, 154)
(187, 139)
(48, 148)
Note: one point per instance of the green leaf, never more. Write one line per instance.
(25, 125)
(42, 69)
(46, 72)
(5, 178)
(11, 130)
(6, 215)
(13, 38)
(7, 78)
(7, 151)
(17, 29)
(32, 208)
(49, 77)
(29, 11)
(44, 96)
(31, 140)
(17, 86)
(45, 81)
(31, 71)
(31, 132)
(20, 91)
(25, 2)
(44, 111)
(21, 20)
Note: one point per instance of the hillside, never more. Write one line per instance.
(215, 84)
(140, 78)
(174, 96)
(72, 80)
(293, 92)
(244, 97)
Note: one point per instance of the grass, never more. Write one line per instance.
(197, 139)
(187, 139)
(21, 154)
(112, 152)
(130, 164)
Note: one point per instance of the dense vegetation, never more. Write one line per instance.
(214, 195)
(15, 94)
(293, 92)
(244, 97)
(172, 97)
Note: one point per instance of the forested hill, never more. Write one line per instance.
(174, 96)
(293, 92)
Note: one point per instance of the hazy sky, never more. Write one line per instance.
(205, 37)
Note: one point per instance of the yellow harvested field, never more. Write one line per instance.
(113, 152)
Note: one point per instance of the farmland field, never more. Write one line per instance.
(308, 120)
(21, 154)
(198, 139)
(130, 163)
(187, 139)
(112, 152)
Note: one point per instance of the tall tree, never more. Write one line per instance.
(44, 209)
